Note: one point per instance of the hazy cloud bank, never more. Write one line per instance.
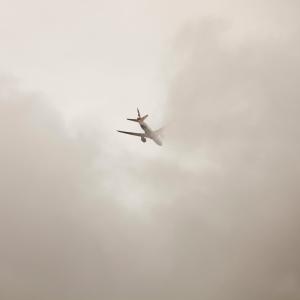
(222, 220)
(233, 216)
(63, 235)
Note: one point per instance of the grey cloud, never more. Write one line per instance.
(65, 234)
(62, 236)
(233, 226)
(222, 221)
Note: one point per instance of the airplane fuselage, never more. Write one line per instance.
(150, 133)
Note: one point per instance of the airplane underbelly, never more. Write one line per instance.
(157, 141)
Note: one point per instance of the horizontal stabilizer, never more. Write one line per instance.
(139, 119)
(134, 120)
(144, 117)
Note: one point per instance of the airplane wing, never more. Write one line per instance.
(133, 133)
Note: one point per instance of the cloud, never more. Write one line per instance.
(63, 235)
(232, 218)
(220, 203)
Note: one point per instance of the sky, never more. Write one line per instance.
(88, 213)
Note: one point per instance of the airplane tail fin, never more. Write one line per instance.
(139, 118)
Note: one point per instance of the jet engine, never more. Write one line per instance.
(143, 139)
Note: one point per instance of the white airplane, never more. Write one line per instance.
(154, 135)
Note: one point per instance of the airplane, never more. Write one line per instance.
(154, 135)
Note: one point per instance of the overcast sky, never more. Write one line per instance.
(88, 213)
